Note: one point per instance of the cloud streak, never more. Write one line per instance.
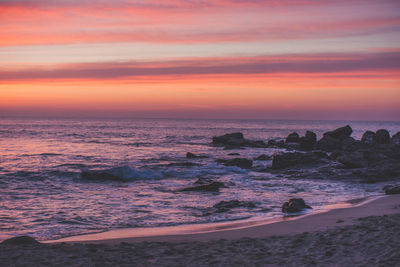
(318, 63)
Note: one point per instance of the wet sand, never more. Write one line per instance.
(364, 235)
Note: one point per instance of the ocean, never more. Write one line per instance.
(43, 195)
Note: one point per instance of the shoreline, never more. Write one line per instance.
(339, 214)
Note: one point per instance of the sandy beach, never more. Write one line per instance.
(363, 235)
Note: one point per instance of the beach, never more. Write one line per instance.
(366, 234)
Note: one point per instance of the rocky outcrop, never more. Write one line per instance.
(293, 138)
(21, 241)
(392, 189)
(236, 140)
(308, 141)
(382, 136)
(328, 143)
(368, 137)
(238, 162)
(340, 133)
(190, 155)
(396, 139)
(275, 143)
(294, 205)
(286, 160)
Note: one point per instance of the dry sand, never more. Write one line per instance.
(366, 235)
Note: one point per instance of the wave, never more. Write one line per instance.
(124, 174)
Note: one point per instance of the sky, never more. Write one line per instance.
(287, 59)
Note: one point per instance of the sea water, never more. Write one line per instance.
(43, 195)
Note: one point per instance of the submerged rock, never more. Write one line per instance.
(190, 155)
(392, 189)
(382, 136)
(286, 160)
(21, 241)
(294, 205)
(211, 187)
(238, 162)
(223, 206)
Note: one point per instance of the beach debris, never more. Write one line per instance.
(294, 205)
(210, 187)
(233, 154)
(21, 241)
(190, 155)
(236, 140)
(238, 162)
(392, 189)
(286, 160)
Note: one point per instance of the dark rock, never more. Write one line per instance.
(233, 154)
(328, 143)
(396, 139)
(263, 157)
(308, 141)
(236, 140)
(203, 180)
(190, 155)
(212, 187)
(350, 144)
(223, 206)
(293, 138)
(286, 160)
(294, 205)
(340, 133)
(352, 160)
(335, 154)
(392, 189)
(292, 146)
(232, 139)
(382, 136)
(368, 137)
(254, 143)
(239, 162)
(21, 241)
(275, 143)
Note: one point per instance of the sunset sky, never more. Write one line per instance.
(305, 59)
